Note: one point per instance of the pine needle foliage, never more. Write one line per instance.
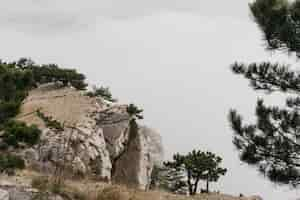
(272, 143)
(197, 166)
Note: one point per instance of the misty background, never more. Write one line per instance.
(170, 57)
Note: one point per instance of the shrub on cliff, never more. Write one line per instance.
(14, 82)
(8, 110)
(50, 122)
(52, 73)
(9, 163)
(17, 78)
(103, 92)
(18, 132)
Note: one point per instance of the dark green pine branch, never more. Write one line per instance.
(272, 143)
(269, 77)
(279, 21)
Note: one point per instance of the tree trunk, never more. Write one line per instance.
(196, 187)
(190, 186)
(207, 185)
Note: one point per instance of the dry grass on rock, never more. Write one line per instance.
(86, 189)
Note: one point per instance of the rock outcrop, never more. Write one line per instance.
(135, 165)
(95, 139)
(4, 195)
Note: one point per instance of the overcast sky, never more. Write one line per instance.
(171, 57)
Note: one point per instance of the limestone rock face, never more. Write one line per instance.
(154, 141)
(95, 139)
(134, 167)
(4, 195)
(116, 130)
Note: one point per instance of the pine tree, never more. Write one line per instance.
(213, 171)
(168, 179)
(196, 166)
(272, 143)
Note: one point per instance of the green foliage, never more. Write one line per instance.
(8, 110)
(18, 132)
(52, 73)
(14, 82)
(3, 146)
(103, 92)
(198, 166)
(78, 84)
(272, 142)
(134, 112)
(10, 162)
(17, 78)
(50, 123)
(168, 179)
(279, 22)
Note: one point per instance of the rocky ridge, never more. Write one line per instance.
(95, 140)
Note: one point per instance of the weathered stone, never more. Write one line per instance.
(116, 136)
(115, 124)
(78, 166)
(31, 154)
(95, 138)
(4, 195)
(154, 141)
(134, 167)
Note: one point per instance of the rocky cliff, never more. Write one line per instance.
(94, 139)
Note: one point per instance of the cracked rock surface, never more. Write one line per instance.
(95, 138)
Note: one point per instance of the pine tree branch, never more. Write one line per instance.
(269, 77)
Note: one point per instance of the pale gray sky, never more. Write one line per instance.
(171, 57)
